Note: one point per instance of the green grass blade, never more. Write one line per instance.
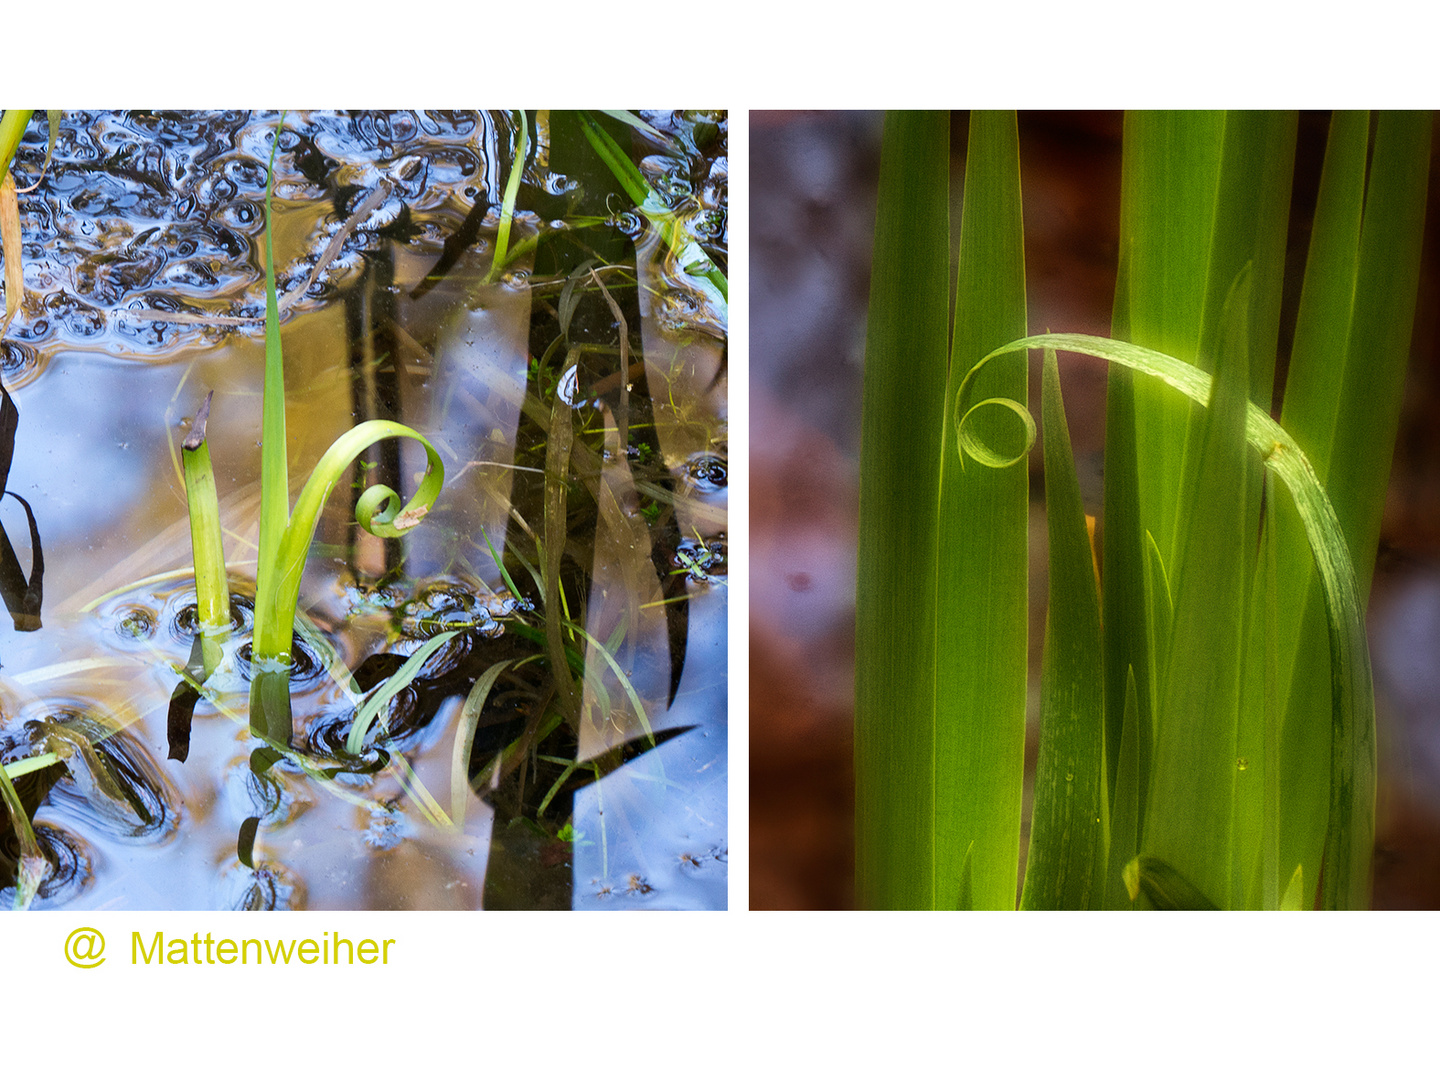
(1252, 210)
(1065, 868)
(624, 680)
(274, 471)
(901, 421)
(1342, 402)
(507, 202)
(558, 444)
(984, 513)
(1294, 899)
(1129, 651)
(1203, 195)
(1169, 174)
(1160, 606)
(677, 236)
(366, 714)
(1189, 192)
(1315, 379)
(1270, 758)
(16, 769)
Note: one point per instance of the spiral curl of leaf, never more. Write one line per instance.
(378, 511)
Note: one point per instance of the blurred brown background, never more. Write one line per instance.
(812, 183)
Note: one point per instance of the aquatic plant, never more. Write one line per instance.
(596, 575)
(286, 533)
(1207, 717)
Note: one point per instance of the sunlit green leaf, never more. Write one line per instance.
(1066, 863)
(1188, 818)
(983, 559)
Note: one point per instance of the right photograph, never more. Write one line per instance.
(1095, 510)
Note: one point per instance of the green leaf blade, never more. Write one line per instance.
(1066, 863)
(1188, 820)
(901, 422)
(980, 679)
(1342, 405)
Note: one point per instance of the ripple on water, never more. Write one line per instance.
(135, 619)
(71, 866)
(277, 797)
(706, 472)
(112, 783)
(268, 887)
(161, 209)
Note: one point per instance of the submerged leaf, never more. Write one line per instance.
(245, 842)
(372, 708)
(32, 865)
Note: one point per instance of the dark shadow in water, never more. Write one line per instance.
(182, 705)
(271, 719)
(530, 869)
(375, 384)
(22, 596)
(455, 245)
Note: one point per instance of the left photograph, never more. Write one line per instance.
(363, 529)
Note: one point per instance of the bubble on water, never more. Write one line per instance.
(136, 623)
(268, 887)
(708, 472)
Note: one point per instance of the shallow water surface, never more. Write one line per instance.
(143, 251)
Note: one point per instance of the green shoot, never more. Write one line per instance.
(212, 591)
(465, 738)
(355, 742)
(507, 206)
(285, 536)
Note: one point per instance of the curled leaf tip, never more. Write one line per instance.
(969, 443)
